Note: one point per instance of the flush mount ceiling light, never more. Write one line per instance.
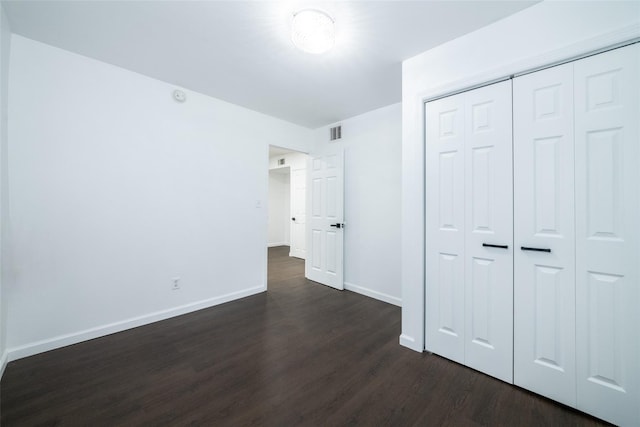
(312, 31)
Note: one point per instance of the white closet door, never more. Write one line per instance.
(544, 253)
(608, 235)
(489, 231)
(445, 227)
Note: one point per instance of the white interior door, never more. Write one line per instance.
(325, 231)
(489, 231)
(445, 228)
(544, 256)
(298, 213)
(607, 117)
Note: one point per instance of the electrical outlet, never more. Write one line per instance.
(175, 283)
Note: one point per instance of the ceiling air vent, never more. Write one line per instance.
(335, 133)
(281, 162)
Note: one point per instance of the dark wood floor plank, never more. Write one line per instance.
(299, 354)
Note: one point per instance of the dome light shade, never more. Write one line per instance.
(312, 31)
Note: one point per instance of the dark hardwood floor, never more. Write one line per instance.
(299, 354)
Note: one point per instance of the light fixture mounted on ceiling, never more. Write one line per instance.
(313, 31)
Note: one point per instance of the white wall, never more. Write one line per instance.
(542, 34)
(372, 144)
(279, 207)
(5, 42)
(292, 160)
(115, 189)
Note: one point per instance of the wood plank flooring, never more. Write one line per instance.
(301, 354)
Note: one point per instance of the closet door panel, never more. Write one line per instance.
(544, 280)
(445, 227)
(607, 114)
(489, 221)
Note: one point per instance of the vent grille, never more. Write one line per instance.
(335, 133)
(280, 162)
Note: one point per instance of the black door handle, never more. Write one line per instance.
(526, 248)
(489, 245)
(336, 225)
(293, 219)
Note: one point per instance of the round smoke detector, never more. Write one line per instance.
(179, 95)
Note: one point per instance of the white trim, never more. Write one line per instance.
(410, 342)
(591, 46)
(273, 245)
(100, 331)
(3, 362)
(373, 294)
(298, 254)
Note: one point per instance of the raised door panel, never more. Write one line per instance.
(607, 114)
(544, 279)
(489, 221)
(444, 328)
(317, 223)
(317, 262)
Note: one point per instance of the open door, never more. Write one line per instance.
(325, 232)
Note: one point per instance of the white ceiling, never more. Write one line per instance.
(241, 51)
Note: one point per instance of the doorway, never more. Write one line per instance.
(287, 201)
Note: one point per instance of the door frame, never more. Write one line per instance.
(288, 168)
(413, 232)
(266, 223)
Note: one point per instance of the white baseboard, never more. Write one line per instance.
(297, 254)
(410, 342)
(3, 363)
(273, 245)
(373, 294)
(100, 331)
